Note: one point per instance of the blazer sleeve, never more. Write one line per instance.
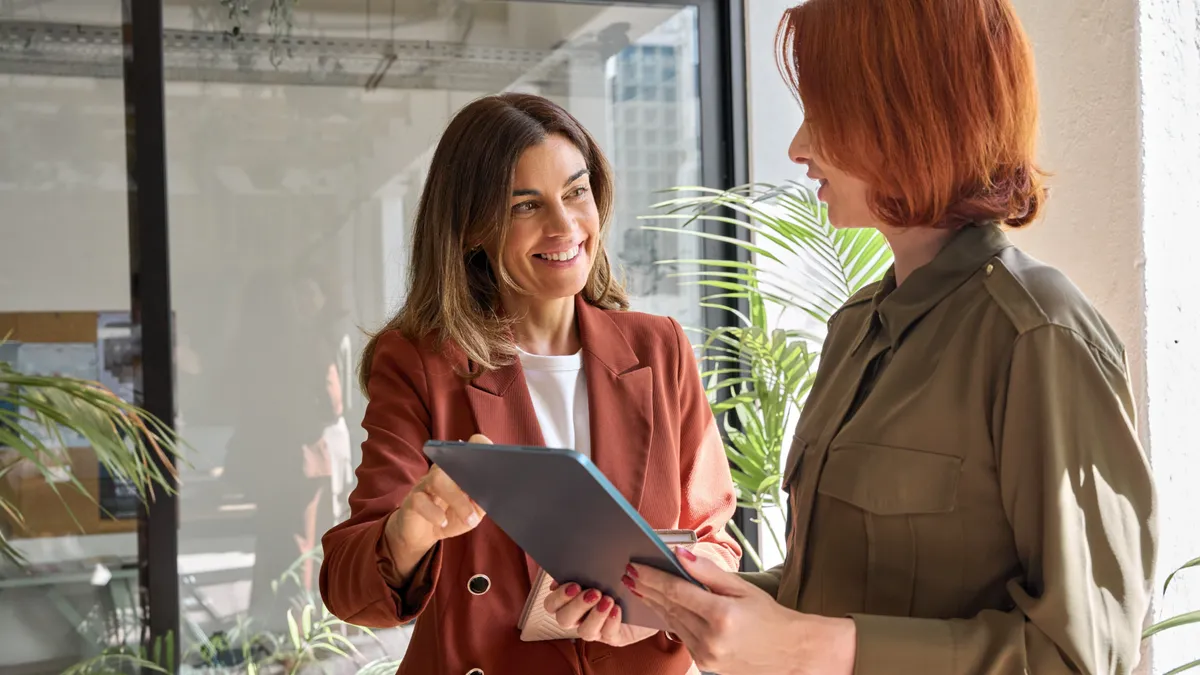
(355, 571)
(708, 498)
(1078, 494)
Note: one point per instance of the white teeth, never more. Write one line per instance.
(561, 256)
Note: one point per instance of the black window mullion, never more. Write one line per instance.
(150, 298)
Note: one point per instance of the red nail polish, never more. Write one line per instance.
(591, 596)
(686, 554)
(616, 612)
(629, 583)
(572, 590)
(554, 585)
(605, 604)
(630, 571)
(636, 593)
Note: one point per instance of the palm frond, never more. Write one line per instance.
(36, 413)
(757, 374)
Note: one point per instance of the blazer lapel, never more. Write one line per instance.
(504, 413)
(621, 398)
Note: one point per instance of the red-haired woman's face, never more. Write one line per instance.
(847, 197)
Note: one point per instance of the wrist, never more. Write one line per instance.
(826, 646)
(403, 552)
(841, 637)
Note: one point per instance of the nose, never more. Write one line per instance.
(800, 151)
(561, 222)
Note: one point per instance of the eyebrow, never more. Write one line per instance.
(534, 193)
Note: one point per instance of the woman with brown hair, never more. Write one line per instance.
(514, 328)
(967, 491)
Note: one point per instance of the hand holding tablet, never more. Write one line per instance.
(558, 507)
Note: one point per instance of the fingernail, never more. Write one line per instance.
(686, 554)
(572, 590)
(629, 583)
(591, 596)
(630, 571)
(473, 519)
(616, 612)
(554, 585)
(605, 604)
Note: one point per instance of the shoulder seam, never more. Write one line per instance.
(1115, 360)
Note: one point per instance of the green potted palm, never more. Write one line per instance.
(37, 412)
(758, 370)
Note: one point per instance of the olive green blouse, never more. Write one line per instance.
(966, 480)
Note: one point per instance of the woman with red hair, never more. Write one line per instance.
(967, 491)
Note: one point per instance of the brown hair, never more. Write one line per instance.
(453, 291)
(932, 102)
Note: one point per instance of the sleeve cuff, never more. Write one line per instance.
(767, 581)
(888, 644)
(411, 596)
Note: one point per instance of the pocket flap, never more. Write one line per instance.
(889, 481)
(791, 467)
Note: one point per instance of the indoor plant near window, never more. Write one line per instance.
(314, 642)
(37, 411)
(1185, 619)
(757, 372)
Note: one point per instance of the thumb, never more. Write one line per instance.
(711, 575)
(479, 438)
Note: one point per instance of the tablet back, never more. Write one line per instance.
(558, 507)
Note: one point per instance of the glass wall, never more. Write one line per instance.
(297, 144)
(64, 307)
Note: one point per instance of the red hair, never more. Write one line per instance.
(932, 102)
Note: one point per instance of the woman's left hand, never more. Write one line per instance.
(595, 617)
(737, 629)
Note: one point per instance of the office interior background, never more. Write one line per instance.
(205, 201)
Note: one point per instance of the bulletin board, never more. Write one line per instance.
(97, 346)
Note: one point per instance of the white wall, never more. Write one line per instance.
(1120, 132)
(1169, 57)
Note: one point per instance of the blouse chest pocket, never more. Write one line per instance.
(897, 499)
(887, 481)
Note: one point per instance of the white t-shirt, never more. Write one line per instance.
(559, 393)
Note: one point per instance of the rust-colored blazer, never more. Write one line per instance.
(652, 433)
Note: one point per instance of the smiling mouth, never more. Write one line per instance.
(561, 256)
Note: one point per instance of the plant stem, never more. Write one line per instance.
(762, 518)
(746, 547)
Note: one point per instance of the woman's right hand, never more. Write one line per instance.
(435, 509)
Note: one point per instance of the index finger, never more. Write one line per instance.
(460, 504)
(671, 591)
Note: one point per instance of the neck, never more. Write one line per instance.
(546, 327)
(913, 248)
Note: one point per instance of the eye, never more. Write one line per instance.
(525, 207)
(577, 192)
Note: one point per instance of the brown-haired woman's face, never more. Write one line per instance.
(555, 223)
(847, 197)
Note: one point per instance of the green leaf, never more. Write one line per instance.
(1173, 622)
(129, 442)
(293, 630)
(1185, 667)
(1195, 562)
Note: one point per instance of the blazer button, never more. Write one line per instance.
(478, 585)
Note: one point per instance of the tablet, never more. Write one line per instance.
(557, 506)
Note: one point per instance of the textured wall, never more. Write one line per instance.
(1170, 105)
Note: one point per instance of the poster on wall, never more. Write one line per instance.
(98, 347)
(116, 354)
